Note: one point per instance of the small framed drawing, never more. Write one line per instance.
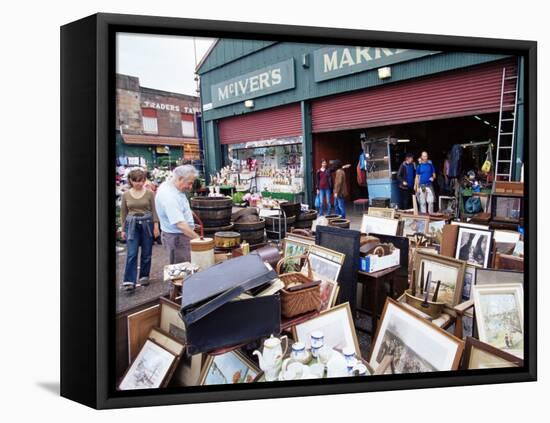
(167, 341)
(499, 316)
(329, 293)
(231, 367)
(479, 355)
(445, 269)
(325, 263)
(293, 248)
(379, 225)
(417, 345)
(415, 224)
(435, 230)
(469, 280)
(336, 325)
(150, 369)
(388, 213)
(473, 246)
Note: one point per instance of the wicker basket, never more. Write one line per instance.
(298, 302)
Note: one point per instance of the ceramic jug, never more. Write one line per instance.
(272, 357)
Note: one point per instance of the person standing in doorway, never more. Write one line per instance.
(423, 186)
(175, 215)
(324, 186)
(140, 225)
(406, 176)
(340, 189)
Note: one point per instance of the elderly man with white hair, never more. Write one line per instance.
(175, 215)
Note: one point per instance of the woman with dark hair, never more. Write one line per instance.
(324, 186)
(140, 225)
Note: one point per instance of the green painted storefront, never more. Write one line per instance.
(230, 60)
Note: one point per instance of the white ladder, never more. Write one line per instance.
(506, 127)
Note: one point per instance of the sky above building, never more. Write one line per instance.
(160, 61)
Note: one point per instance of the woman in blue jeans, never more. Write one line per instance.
(324, 186)
(140, 227)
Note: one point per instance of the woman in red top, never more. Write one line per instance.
(324, 186)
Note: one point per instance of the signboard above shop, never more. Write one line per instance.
(264, 81)
(336, 61)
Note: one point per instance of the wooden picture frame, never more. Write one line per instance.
(385, 212)
(474, 246)
(152, 367)
(170, 320)
(293, 248)
(139, 326)
(495, 276)
(329, 294)
(435, 230)
(408, 224)
(450, 269)
(419, 331)
(496, 300)
(379, 225)
(324, 258)
(337, 337)
(223, 362)
(480, 355)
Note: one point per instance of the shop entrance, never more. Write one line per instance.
(435, 136)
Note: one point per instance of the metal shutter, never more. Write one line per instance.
(284, 121)
(469, 91)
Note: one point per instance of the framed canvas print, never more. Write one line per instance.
(414, 224)
(499, 316)
(388, 213)
(336, 325)
(293, 248)
(247, 113)
(150, 368)
(228, 368)
(448, 271)
(379, 225)
(416, 345)
(474, 246)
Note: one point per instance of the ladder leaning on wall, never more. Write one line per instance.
(506, 127)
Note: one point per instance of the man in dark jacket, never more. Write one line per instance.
(405, 176)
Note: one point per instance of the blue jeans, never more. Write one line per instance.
(143, 237)
(324, 193)
(340, 206)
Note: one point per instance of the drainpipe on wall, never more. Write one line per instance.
(307, 151)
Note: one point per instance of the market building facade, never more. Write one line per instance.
(319, 101)
(155, 127)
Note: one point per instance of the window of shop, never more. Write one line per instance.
(187, 125)
(150, 122)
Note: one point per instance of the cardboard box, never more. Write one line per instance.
(373, 263)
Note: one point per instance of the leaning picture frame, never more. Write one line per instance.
(228, 368)
(479, 355)
(411, 341)
(499, 316)
(474, 246)
(91, 131)
(388, 213)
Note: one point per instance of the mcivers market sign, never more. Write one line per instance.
(333, 62)
(264, 81)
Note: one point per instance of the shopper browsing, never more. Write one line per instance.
(406, 176)
(140, 225)
(324, 186)
(425, 175)
(340, 188)
(175, 215)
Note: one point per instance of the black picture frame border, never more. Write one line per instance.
(87, 243)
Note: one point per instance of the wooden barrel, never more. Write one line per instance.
(211, 231)
(339, 223)
(291, 209)
(305, 219)
(213, 211)
(253, 232)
